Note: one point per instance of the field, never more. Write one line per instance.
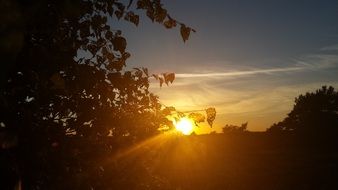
(219, 161)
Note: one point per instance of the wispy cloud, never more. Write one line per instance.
(238, 73)
(311, 62)
(259, 95)
(330, 48)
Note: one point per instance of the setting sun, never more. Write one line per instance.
(185, 126)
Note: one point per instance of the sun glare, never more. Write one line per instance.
(185, 126)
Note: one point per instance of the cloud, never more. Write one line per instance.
(238, 73)
(310, 62)
(330, 48)
(259, 95)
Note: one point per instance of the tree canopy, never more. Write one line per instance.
(313, 113)
(66, 97)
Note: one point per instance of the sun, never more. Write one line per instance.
(185, 126)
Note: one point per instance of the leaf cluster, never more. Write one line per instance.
(165, 78)
(173, 115)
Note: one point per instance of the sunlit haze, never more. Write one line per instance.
(250, 66)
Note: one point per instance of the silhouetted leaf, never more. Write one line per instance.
(161, 15)
(120, 44)
(168, 110)
(170, 23)
(197, 117)
(185, 32)
(118, 14)
(130, 16)
(165, 78)
(161, 81)
(145, 70)
(169, 77)
(120, 6)
(155, 76)
(211, 115)
(180, 114)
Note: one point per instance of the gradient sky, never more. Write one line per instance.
(248, 59)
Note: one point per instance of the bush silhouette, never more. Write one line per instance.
(234, 129)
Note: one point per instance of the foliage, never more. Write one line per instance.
(234, 128)
(313, 113)
(211, 115)
(195, 115)
(66, 98)
(165, 78)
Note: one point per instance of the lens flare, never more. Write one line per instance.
(185, 126)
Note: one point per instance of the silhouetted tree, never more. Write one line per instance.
(314, 113)
(67, 100)
(234, 128)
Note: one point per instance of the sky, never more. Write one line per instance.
(249, 58)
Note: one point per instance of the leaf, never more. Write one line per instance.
(197, 117)
(161, 81)
(161, 15)
(145, 70)
(104, 51)
(126, 55)
(169, 77)
(130, 16)
(165, 78)
(168, 110)
(138, 73)
(109, 35)
(120, 6)
(150, 14)
(141, 4)
(120, 44)
(118, 14)
(180, 114)
(211, 115)
(170, 23)
(155, 76)
(135, 19)
(110, 10)
(185, 32)
(92, 48)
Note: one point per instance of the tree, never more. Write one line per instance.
(234, 129)
(60, 112)
(314, 113)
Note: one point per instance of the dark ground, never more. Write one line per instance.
(214, 162)
(242, 161)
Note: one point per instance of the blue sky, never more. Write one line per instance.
(248, 59)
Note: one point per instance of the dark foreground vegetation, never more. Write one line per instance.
(249, 160)
(241, 161)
